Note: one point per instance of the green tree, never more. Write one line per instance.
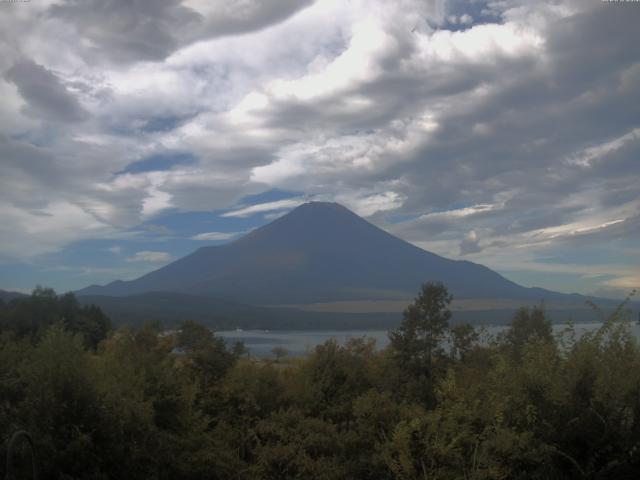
(295, 446)
(527, 325)
(206, 355)
(155, 429)
(31, 317)
(61, 407)
(279, 352)
(418, 340)
(333, 376)
(462, 338)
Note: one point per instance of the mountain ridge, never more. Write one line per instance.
(320, 252)
(7, 296)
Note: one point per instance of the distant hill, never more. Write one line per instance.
(321, 252)
(171, 309)
(7, 296)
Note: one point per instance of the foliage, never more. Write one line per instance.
(528, 325)
(148, 404)
(31, 317)
(417, 344)
(419, 338)
(462, 338)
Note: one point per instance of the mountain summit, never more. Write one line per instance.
(319, 252)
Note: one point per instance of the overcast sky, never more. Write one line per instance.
(502, 132)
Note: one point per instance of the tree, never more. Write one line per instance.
(207, 354)
(239, 349)
(279, 352)
(32, 316)
(462, 338)
(418, 339)
(527, 325)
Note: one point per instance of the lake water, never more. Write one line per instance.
(262, 342)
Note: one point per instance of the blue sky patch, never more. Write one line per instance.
(159, 163)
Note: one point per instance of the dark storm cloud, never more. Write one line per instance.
(46, 97)
(129, 31)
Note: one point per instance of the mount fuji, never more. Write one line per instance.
(320, 252)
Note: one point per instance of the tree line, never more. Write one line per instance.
(437, 403)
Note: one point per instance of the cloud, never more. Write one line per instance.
(45, 95)
(366, 203)
(470, 244)
(459, 212)
(573, 229)
(148, 256)
(26, 234)
(125, 31)
(512, 120)
(237, 17)
(116, 250)
(215, 236)
(264, 207)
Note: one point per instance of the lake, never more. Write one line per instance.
(261, 342)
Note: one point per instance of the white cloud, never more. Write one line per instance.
(215, 236)
(466, 19)
(572, 229)
(525, 120)
(481, 43)
(368, 204)
(149, 256)
(354, 65)
(470, 244)
(29, 233)
(265, 207)
(116, 250)
(460, 212)
(587, 156)
(155, 202)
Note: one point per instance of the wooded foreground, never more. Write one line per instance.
(137, 404)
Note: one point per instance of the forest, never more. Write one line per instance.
(440, 402)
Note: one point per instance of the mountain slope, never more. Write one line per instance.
(7, 296)
(316, 253)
